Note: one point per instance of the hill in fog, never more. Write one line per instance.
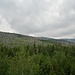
(19, 39)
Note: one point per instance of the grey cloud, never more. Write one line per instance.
(40, 17)
(6, 3)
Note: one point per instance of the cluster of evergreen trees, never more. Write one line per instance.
(37, 60)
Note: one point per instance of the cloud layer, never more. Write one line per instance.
(51, 18)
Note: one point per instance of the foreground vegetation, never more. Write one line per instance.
(37, 60)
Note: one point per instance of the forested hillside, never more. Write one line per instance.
(24, 55)
(13, 39)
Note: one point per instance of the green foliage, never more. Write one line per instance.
(37, 60)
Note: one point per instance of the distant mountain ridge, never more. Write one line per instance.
(17, 39)
(70, 40)
(65, 40)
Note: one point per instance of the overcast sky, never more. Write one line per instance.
(49, 18)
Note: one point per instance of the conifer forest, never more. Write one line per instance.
(45, 58)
